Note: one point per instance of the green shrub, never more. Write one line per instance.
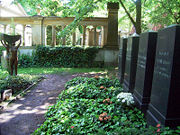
(91, 88)
(106, 82)
(81, 116)
(17, 83)
(25, 61)
(81, 109)
(65, 56)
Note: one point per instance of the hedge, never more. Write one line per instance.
(63, 56)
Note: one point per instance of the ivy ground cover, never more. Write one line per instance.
(95, 106)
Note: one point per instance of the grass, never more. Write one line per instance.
(42, 70)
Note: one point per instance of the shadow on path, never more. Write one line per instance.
(26, 114)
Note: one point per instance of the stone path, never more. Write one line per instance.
(24, 115)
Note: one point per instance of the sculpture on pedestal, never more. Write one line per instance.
(9, 42)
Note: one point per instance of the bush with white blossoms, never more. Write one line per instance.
(125, 98)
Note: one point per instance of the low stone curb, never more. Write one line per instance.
(19, 95)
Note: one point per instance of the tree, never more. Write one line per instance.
(139, 12)
(137, 22)
(165, 12)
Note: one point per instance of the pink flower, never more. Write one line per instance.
(158, 125)
(72, 126)
(158, 130)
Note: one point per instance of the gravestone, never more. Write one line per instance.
(164, 105)
(122, 58)
(131, 63)
(145, 68)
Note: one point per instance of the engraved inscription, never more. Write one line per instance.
(163, 64)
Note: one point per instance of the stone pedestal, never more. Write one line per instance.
(164, 105)
(112, 35)
(122, 58)
(145, 68)
(110, 58)
(131, 63)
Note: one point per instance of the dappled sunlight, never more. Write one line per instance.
(60, 70)
(32, 107)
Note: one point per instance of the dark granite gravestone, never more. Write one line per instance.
(122, 58)
(145, 68)
(164, 105)
(131, 63)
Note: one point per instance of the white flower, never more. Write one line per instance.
(125, 98)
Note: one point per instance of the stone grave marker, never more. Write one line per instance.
(145, 68)
(131, 63)
(164, 105)
(122, 58)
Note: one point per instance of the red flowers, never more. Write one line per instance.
(72, 126)
(102, 87)
(107, 101)
(159, 128)
(104, 117)
(158, 125)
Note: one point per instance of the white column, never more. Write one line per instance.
(23, 37)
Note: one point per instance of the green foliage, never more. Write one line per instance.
(17, 83)
(25, 61)
(79, 107)
(89, 88)
(95, 81)
(53, 70)
(65, 56)
(73, 8)
(49, 35)
(165, 12)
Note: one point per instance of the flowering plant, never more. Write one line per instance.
(104, 117)
(126, 98)
(107, 101)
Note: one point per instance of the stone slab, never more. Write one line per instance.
(131, 63)
(145, 68)
(164, 106)
(122, 58)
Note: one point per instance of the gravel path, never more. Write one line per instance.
(24, 115)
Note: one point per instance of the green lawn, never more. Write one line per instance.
(4, 73)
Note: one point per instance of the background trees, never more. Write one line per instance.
(141, 13)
